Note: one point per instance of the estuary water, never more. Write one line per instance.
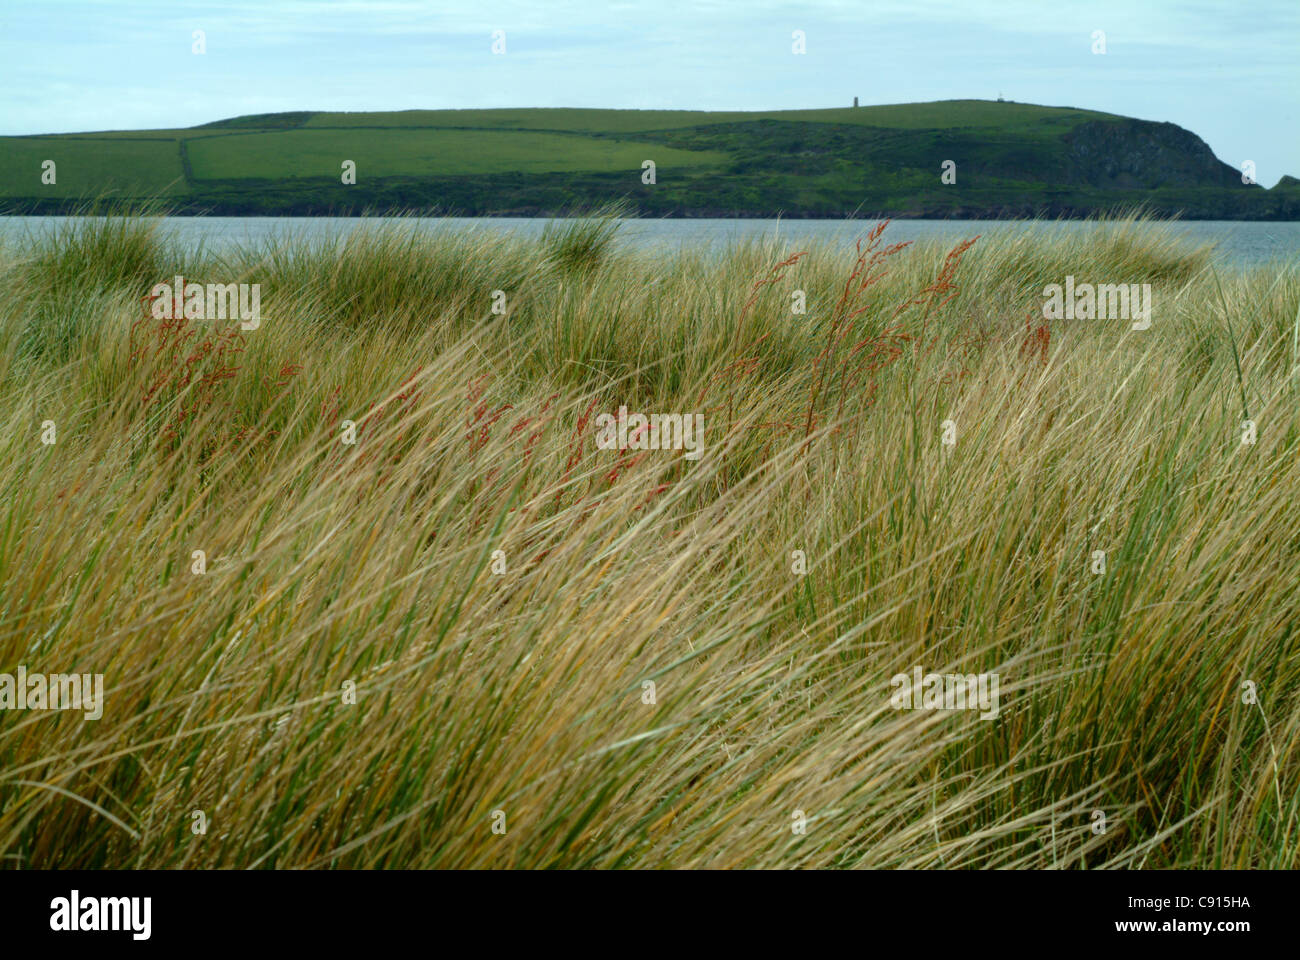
(1234, 241)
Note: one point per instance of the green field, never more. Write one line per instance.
(89, 168)
(402, 152)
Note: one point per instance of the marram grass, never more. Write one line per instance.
(351, 683)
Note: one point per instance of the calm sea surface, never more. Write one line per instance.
(1239, 242)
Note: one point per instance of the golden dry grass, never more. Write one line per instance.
(368, 567)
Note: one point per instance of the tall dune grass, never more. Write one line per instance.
(350, 684)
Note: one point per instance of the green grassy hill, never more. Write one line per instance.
(1011, 159)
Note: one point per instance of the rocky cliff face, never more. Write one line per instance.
(1140, 154)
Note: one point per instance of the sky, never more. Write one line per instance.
(1227, 71)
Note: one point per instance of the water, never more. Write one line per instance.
(1236, 242)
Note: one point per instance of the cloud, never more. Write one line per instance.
(82, 64)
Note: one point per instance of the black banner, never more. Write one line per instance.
(337, 909)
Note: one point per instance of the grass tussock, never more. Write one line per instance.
(473, 617)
